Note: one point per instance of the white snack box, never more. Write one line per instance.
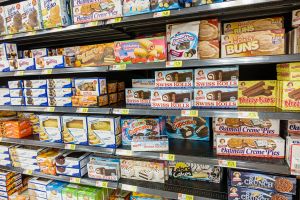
(290, 141)
(73, 159)
(35, 84)
(15, 84)
(296, 18)
(4, 65)
(37, 193)
(293, 127)
(4, 92)
(32, 19)
(75, 129)
(4, 148)
(49, 130)
(17, 101)
(4, 101)
(60, 92)
(16, 92)
(143, 83)
(60, 101)
(26, 151)
(38, 53)
(83, 86)
(295, 159)
(52, 62)
(24, 160)
(3, 29)
(32, 92)
(72, 172)
(36, 101)
(26, 166)
(4, 157)
(23, 64)
(60, 83)
(38, 183)
(8, 51)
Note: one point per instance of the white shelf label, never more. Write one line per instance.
(129, 187)
(121, 111)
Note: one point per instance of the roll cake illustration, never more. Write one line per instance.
(142, 94)
(177, 98)
(179, 77)
(223, 75)
(218, 95)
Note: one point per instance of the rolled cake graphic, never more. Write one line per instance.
(177, 98)
(295, 94)
(254, 89)
(223, 76)
(172, 76)
(142, 94)
(221, 96)
(168, 96)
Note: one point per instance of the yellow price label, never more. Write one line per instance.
(189, 113)
(165, 13)
(227, 163)
(82, 110)
(121, 111)
(185, 197)
(94, 23)
(28, 172)
(168, 157)
(8, 36)
(177, 63)
(19, 73)
(119, 67)
(74, 180)
(129, 187)
(102, 184)
(118, 20)
(70, 146)
(47, 71)
(124, 152)
(50, 109)
(250, 115)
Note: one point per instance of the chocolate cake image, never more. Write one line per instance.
(142, 94)
(187, 131)
(223, 75)
(218, 95)
(170, 127)
(258, 89)
(176, 98)
(295, 94)
(179, 77)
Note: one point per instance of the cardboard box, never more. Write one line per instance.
(31, 15)
(251, 146)
(3, 26)
(26, 151)
(54, 62)
(259, 43)
(171, 98)
(4, 157)
(14, 18)
(288, 76)
(289, 95)
(138, 96)
(51, 128)
(174, 79)
(84, 12)
(15, 92)
(112, 98)
(104, 131)
(264, 24)
(88, 101)
(37, 183)
(60, 92)
(290, 141)
(4, 92)
(121, 96)
(135, 7)
(36, 101)
(8, 51)
(71, 192)
(161, 5)
(25, 166)
(92, 193)
(4, 64)
(143, 83)
(209, 49)
(288, 67)
(60, 101)
(54, 190)
(140, 50)
(35, 93)
(90, 86)
(145, 143)
(5, 147)
(41, 84)
(296, 18)
(76, 160)
(209, 29)
(257, 93)
(71, 171)
(217, 77)
(215, 97)
(60, 83)
(5, 175)
(15, 84)
(112, 87)
(14, 178)
(121, 86)
(293, 127)
(24, 160)
(38, 53)
(56, 13)
(37, 193)
(295, 162)
(4, 101)
(104, 168)
(74, 129)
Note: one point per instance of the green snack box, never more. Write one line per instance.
(71, 192)
(91, 193)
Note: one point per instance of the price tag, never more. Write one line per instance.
(74, 180)
(118, 67)
(47, 71)
(169, 157)
(124, 152)
(250, 115)
(49, 109)
(102, 184)
(121, 111)
(227, 163)
(82, 110)
(31, 33)
(0, 139)
(165, 13)
(177, 63)
(129, 187)
(94, 23)
(27, 171)
(185, 197)
(8, 36)
(19, 73)
(70, 146)
(189, 113)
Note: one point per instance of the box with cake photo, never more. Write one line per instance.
(74, 129)
(54, 189)
(296, 18)
(140, 96)
(293, 127)
(209, 49)
(217, 77)
(5, 65)
(209, 30)
(193, 128)
(50, 128)
(60, 83)
(36, 101)
(104, 168)
(90, 86)
(60, 101)
(72, 159)
(135, 7)
(174, 79)
(143, 83)
(290, 142)
(8, 51)
(161, 5)
(150, 143)
(31, 15)
(30, 92)
(37, 84)
(215, 97)
(3, 26)
(290, 95)
(143, 170)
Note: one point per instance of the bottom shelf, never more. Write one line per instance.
(172, 189)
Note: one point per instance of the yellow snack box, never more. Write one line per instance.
(288, 67)
(288, 76)
(290, 99)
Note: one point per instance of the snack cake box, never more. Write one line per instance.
(72, 159)
(38, 53)
(290, 141)
(23, 64)
(215, 97)
(24, 160)
(31, 15)
(171, 98)
(35, 92)
(4, 65)
(217, 77)
(251, 146)
(140, 50)
(50, 128)
(295, 161)
(16, 92)
(272, 23)
(60, 101)
(3, 26)
(4, 101)
(209, 29)
(4, 175)
(38, 84)
(51, 62)
(288, 67)
(161, 5)
(143, 83)
(38, 183)
(36, 101)
(74, 129)
(5, 147)
(90, 86)
(296, 18)
(4, 92)
(104, 131)
(15, 84)
(60, 83)
(194, 171)
(282, 184)
(135, 7)
(192, 128)
(60, 92)
(103, 168)
(174, 79)
(8, 51)
(88, 11)
(14, 18)
(26, 151)
(55, 13)
(257, 93)
(288, 76)
(37, 193)
(139, 127)
(144, 170)
(259, 43)
(290, 93)
(209, 49)
(251, 193)
(140, 96)
(152, 143)
(54, 190)
(293, 127)
(71, 171)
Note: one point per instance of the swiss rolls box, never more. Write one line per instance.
(90, 86)
(194, 128)
(140, 96)
(174, 79)
(74, 129)
(50, 128)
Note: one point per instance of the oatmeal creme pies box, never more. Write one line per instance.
(174, 79)
(140, 96)
(215, 97)
(217, 77)
(90, 86)
(293, 127)
(171, 98)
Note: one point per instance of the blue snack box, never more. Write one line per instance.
(39, 84)
(54, 189)
(135, 7)
(192, 128)
(4, 92)
(28, 92)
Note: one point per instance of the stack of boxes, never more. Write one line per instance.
(34, 120)
(46, 161)
(78, 192)
(293, 36)
(35, 92)
(4, 96)
(4, 154)
(60, 92)
(74, 129)
(16, 128)
(115, 90)
(16, 93)
(72, 164)
(8, 54)
(10, 183)
(140, 93)
(37, 188)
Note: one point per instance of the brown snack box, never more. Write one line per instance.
(257, 43)
(272, 23)
(113, 98)
(257, 93)
(95, 55)
(112, 87)
(209, 49)
(103, 100)
(121, 86)
(209, 29)
(85, 101)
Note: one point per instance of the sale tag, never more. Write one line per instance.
(49, 109)
(27, 171)
(165, 13)
(185, 197)
(121, 111)
(70, 146)
(19, 73)
(177, 63)
(124, 152)
(227, 163)
(47, 71)
(118, 67)
(102, 184)
(189, 113)
(74, 180)
(250, 115)
(129, 187)
(168, 157)
(82, 110)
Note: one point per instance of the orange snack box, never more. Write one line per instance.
(17, 128)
